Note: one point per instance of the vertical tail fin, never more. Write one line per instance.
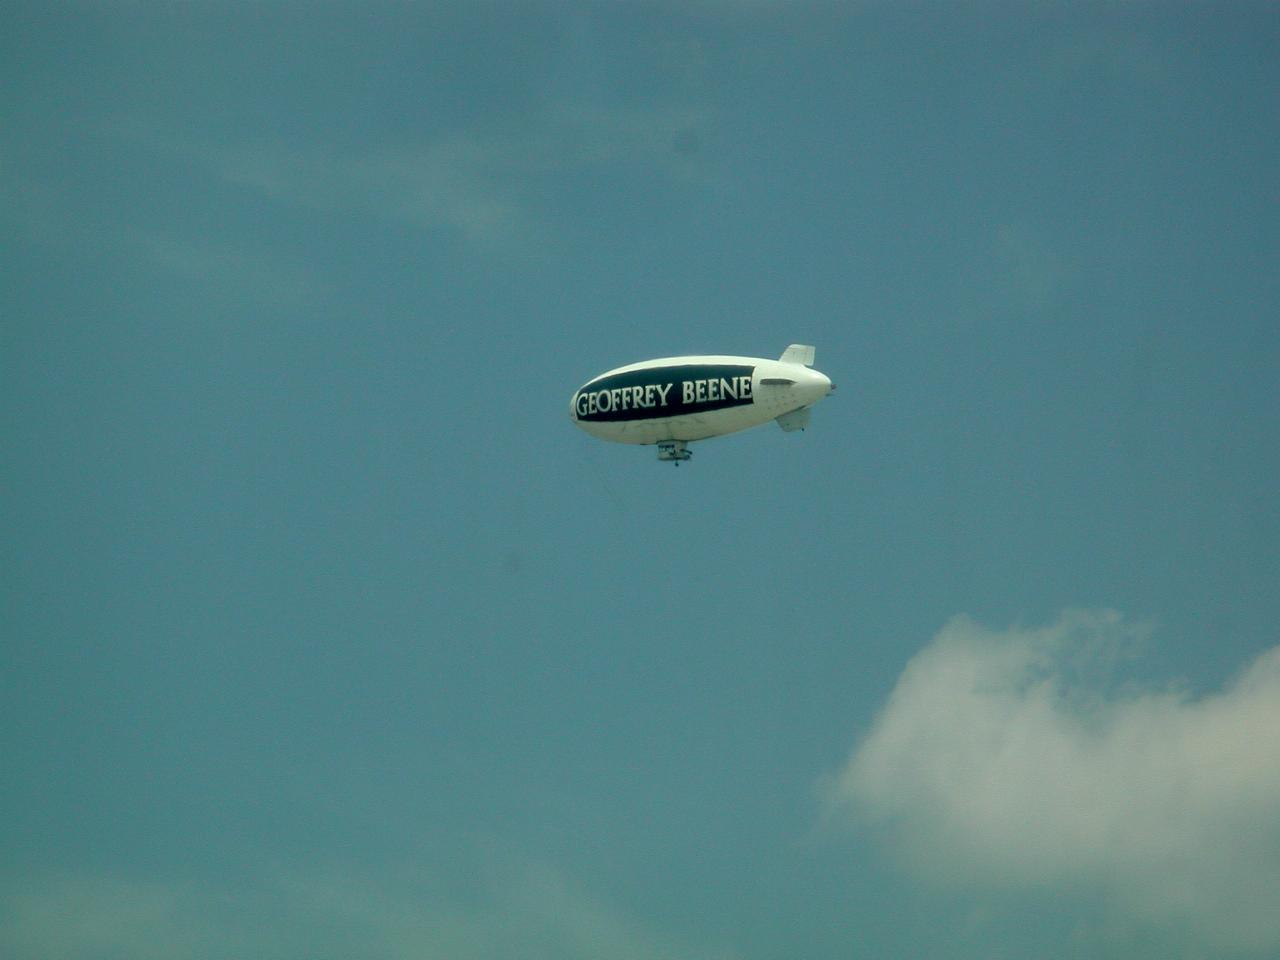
(798, 353)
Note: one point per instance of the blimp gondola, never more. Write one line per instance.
(672, 401)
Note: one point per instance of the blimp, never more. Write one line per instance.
(672, 401)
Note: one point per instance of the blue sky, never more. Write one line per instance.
(326, 635)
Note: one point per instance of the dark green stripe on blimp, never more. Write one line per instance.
(665, 392)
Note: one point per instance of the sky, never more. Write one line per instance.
(326, 635)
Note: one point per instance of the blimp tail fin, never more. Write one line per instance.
(798, 353)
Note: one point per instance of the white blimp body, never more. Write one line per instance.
(673, 401)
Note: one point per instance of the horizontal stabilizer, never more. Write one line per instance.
(798, 353)
(795, 420)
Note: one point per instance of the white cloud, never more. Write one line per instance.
(1011, 760)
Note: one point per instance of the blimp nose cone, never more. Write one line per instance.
(820, 384)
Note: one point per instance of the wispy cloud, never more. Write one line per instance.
(44, 211)
(1130, 59)
(1011, 760)
(481, 181)
(1027, 272)
(97, 916)
(393, 914)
